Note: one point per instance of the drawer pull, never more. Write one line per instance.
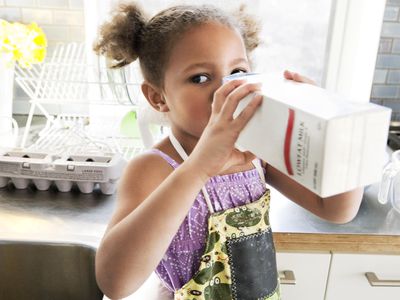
(375, 281)
(287, 277)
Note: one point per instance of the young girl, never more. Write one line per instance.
(194, 208)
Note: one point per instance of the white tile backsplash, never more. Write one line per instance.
(20, 3)
(68, 17)
(10, 14)
(76, 34)
(53, 3)
(76, 4)
(56, 33)
(40, 16)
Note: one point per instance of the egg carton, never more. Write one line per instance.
(41, 168)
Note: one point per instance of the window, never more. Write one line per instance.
(295, 33)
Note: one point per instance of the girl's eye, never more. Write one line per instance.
(238, 71)
(199, 79)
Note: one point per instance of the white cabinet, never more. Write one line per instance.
(321, 276)
(347, 280)
(331, 276)
(310, 271)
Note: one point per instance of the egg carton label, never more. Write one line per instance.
(89, 176)
(10, 168)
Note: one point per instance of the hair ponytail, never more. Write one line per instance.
(120, 39)
(250, 28)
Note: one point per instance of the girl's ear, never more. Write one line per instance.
(154, 97)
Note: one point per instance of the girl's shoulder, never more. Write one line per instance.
(147, 170)
(149, 166)
(142, 175)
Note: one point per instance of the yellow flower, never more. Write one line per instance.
(25, 44)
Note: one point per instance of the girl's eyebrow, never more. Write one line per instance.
(211, 65)
(239, 60)
(198, 65)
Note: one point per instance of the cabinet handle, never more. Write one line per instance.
(375, 281)
(287, 277)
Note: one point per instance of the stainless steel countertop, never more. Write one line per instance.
(372, 217)
(54, 216)
(82, 218)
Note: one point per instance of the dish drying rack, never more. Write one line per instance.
(87, 148)
(67, 77)
(71, 134)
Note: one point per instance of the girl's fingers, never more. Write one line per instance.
(245, 115)
(237, 95)
(288, 75)
(297, 77)
(222, 92)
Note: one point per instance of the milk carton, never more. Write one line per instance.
(324, 142)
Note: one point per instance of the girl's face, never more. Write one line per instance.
(197, 64)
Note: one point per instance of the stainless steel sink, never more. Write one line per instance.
(30, 270)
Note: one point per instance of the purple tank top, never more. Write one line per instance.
(182, 259)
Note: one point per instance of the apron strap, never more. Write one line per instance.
(178, 147)
(257, 163)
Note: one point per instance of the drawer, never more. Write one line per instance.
(347, 279)
(310, 271)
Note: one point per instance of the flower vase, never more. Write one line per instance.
(6, 101)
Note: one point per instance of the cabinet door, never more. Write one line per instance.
(347, 279)
(310, 271)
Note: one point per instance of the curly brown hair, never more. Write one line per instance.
(130, 35)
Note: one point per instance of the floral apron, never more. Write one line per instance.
(239, 261)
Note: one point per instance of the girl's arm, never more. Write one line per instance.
(341, 208)
(153, 200)
(152, 203)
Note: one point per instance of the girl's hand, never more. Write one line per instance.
(215, 151)
(297, 77)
